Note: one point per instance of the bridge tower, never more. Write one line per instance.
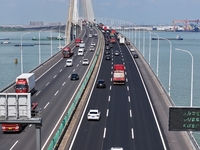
(78, 11)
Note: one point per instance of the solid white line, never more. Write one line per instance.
(63, 83)
(130, 113)
(109, 98)
(56, 93)
(107, 112)
(47, 84)
(129, 99)
(127, 88)
(37, 93)
(132, 133)
(13, 145)
(104, 133)
(55, 76)
(46, 105)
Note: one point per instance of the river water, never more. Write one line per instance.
(181, 62)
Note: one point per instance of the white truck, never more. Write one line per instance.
(82, 46)
(121, 40)
(25, 83)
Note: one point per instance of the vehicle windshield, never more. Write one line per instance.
(20, 86)
(93, 112)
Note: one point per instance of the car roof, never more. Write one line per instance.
(74, 73)
(85, 59)
(93, 110)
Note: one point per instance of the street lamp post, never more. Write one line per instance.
(143, 42)
(21, 47)
(170, 64)
(51, 38)
(191, 96)
(149, 47)
(39, 47)
(157, 53)
(59, 38)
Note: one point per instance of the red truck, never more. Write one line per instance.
(67, 52)
(77, 41)
(18, 127)
(118, 74)
(25, 83)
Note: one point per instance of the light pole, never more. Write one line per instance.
(191, 96)
(21, 52)
(59, 47)
(149, 47)
(170, 64)
(143, 42)
(51, 38)
(39, 47)
(157, 53)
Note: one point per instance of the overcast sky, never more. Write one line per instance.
(145, 12)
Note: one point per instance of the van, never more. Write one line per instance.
(69, 62)
(80, 52)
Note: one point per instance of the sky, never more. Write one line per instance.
(143, 12)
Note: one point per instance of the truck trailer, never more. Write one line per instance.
(25, 83)
(118, 74)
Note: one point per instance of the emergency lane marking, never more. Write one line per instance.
(46, 105)
(60, 70)
(63, 83)
(129, 99)
(107, 112)
(56, 93)
(47, 84)
(37, 93)
(132, 133)
(13, 145)
(109, 98)
(127, 88)
(55, 76)
(104, 133)
(130, 113)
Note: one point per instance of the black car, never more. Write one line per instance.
(107, 52)
(107, 57)
(135, 55)
(74, 76)
(101, 83)
(107, 47)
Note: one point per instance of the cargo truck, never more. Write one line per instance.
(118, 74)
(67, 52)
(18, 127)
(77, 41)
(121, 40)
(25, 83)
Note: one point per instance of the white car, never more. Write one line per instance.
(92, 48)
(132, 50)
(93, 114)
(116, 148)
(93, 43)
(69, 62)
(85, 62)
(90, 35)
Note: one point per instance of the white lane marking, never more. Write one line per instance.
(129, 99)
(104, 133)
(13, 145)
(124, 63)
(63, 83)
(111, 72)
(110, 87)
(126, 79)
(74, 70)
(107, 112)
(77, 65)
(69, 76)
(125, 73)
(127, 88)
(30, 125)
(47, 84)
(110, 79)
(109, 98)
(132, 132)
(56, 93)
(37, 93)
(55, 76)
(46, 105)
(60, 70)
(130, 113)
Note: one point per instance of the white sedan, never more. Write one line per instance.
(93, 114)
(93, 43)
(85, 62)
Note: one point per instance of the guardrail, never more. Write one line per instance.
(64, 123)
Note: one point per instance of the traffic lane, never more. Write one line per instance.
(119, 129)
(144, 121)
